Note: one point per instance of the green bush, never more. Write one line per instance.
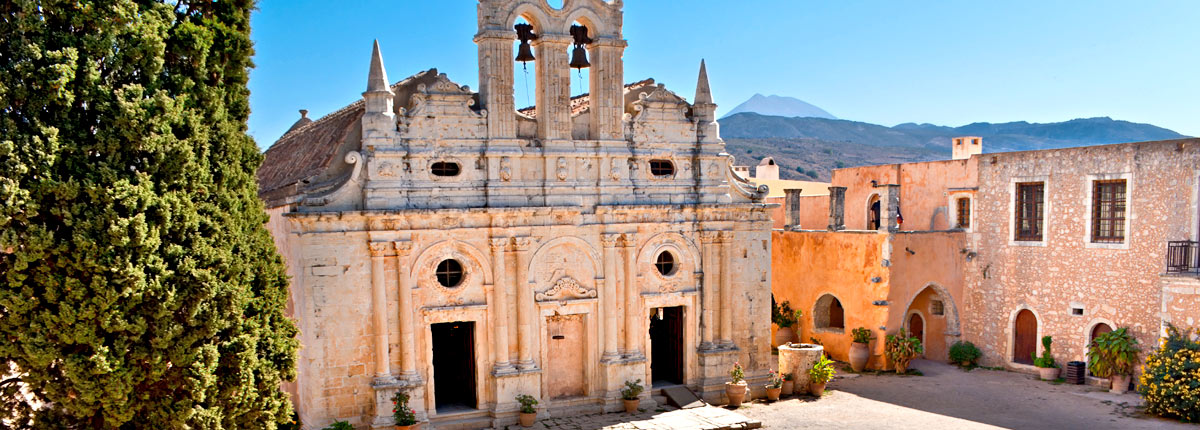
(632, 390)
(964, 353)
(528, 403)
(1170, 382)
(401, 412)
(1046, 361)
(784, 316)
(339, 425)
(1113, 353)
(822, 371)
(861, 335)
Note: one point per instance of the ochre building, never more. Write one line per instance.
(443, 243)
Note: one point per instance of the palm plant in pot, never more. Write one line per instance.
(774, 386)
(1113, 355)
(629, 395)
(405, 417)
(789, 383)
(901, 349)
(735, 389)
(860, 350)
(821, 372)
(1047, 369)
(528, 409)
(786, 318)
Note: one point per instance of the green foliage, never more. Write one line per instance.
(632, 390)
(527, 403)
(964, 353)
(822, 371)
(1046, 360)
(783, 315)
(401, 413)
(736, 374)
(773, 380)
(861, 335)
(901, 349)
(839, 164)
(1113, 353)
(1170, 381)
(139, 285)
(789, 377)
(339, 425)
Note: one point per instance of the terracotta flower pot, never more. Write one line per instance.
(787, 388)
(416, 426)
(859, 354)
(816, 389)
(631, 405)
(1049, 373)
(527, 419)
(736, 393)
(1120, 384)
(784, 335)
(773, 393)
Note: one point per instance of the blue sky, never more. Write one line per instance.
(883, 62)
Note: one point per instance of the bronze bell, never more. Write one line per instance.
(524, 52)
(579, 58)
(525, 34)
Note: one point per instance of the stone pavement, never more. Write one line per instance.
(704, 418)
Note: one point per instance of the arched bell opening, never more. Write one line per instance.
(579, 55)
(524, 70)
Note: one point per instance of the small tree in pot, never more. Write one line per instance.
(786, 318)
(1047, 368)
(774, 386)
(789, 384)
(821, 372)
(528, 409)
(901, 349)
(735, 389)
(629, 395)
(860, 351)
(405, 417)
(1114, 354)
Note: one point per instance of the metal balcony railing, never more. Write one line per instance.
(1183, 256)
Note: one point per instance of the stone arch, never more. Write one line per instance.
(1089, 328)
(650, 249)
(532, 12)
(1012, 333)
(924, 326)
(824, 318)
(589, 18)
(872, 198)
(575, 244)
(476, 268)
(951, 307)
(687, 256)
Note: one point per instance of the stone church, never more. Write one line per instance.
(442, 242)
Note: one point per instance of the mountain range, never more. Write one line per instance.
(780, 106)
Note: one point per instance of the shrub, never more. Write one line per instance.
(632, 390)
(1046, 360)
(789, 377)
(784, 316)
(339, 425)
(404, 415)
(861, 335)
(527, 403)
(736, 373)
(1113, 353)
(822, 371)
(1170, 381)
(901, 349)
(774, 380)
(964, 353)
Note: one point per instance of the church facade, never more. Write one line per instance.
(443, 243)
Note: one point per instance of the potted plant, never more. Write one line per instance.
(964, 353)
(774, 386)
(789, 383)
(629, 395)
(1047, 369)
(1113, 355)
(901, 349)
(860, 350)
(528, 412)
(405, 417)
(735, 389)
(821, 372)
(786, 318)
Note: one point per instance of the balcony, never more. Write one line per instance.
(1183, 256)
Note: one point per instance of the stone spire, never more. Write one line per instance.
(703, 91)
(377, 80)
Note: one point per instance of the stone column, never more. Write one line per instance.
(837, 208)
(408, 350)
(891, 208)
(708, 293)
(608, 298)
(380, 253)
(525, 306)
(633, 316)
(792, 208)
(499, 307)
(496, 81)
(553, 86)
(726, 289)
(607, 88)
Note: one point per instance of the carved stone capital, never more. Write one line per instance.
(379, 249)
(709, 236)
(521, 244)
(609, 240)
(629, 240)
(499, 243)
(726, 237)
(403, 247)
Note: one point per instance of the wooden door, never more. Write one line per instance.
(916, 327)
(565, 356)
(1024, 337)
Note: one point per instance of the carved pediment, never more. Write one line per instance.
(566, 288)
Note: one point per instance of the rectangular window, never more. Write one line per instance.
(1108, 211)
(964, 213)
(1030, 205)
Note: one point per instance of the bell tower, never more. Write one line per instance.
(551, 40)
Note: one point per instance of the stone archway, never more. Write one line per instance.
(939, 317)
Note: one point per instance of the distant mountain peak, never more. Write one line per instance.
(773, 105)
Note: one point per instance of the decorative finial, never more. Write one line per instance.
(703, 91)
(377, 80)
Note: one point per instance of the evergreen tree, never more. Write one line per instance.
(140, 287)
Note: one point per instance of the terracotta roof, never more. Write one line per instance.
(581, 102)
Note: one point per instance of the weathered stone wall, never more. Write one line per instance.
(924, 189)
(928, 266)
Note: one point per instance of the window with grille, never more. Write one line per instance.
(665, 264)
(1030, 205)
(449, 273)
(964, 213)
(661, 168)
(936, 307)
(1108, 211)
(443, 168)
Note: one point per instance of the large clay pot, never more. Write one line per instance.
(786, 390)
(859, 354)
(784, 335)
(1120, 384)
(527, 419)
(1049, 373)
(416, 426)
(816, 389)
(736, 393)
(630, 405)
(773, 393)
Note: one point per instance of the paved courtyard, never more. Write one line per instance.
(705, 418)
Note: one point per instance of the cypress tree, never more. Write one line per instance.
(140, 287)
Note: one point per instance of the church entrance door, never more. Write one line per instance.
(454, 366)
(666, 346)
(565, 358)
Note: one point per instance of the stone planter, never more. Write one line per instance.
(784, 335)
(1049, 373)
(786, 390)
(797, 358)
(527, 419)
(1120, 384)
(816, 389)
(736, 393)
(630, 405)
(859, 354)
(773, 393)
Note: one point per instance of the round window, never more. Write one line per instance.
(449, 273)
(665, 264)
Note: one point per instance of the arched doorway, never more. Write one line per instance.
(916, 327)
(1097, 330)
(936, 321)
(873, 213)
(1024, 337)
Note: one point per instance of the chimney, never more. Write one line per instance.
(792, 206)
(303, 113)
(891, 209)
(837, 208)
(966, 146)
